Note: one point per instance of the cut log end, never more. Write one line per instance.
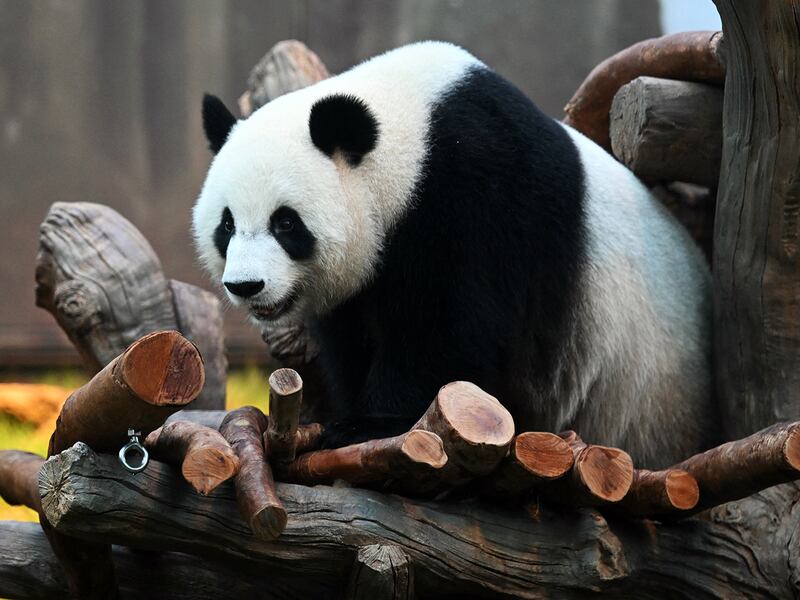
(682, 490)
(791, 448)
(163, 368)
(285, 382)
(425, 448)
(268, 523)
(543, 454)
(606, 472)
(207, 468)
(475, 415)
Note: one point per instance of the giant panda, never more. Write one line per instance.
(430, 224)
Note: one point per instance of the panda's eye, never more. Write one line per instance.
(227, 223)
(284, 226)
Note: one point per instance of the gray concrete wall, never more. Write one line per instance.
(99, 101)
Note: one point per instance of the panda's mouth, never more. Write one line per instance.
(270, 312)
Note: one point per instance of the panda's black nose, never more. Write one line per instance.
(245, 289)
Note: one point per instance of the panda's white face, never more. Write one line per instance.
(282, 226)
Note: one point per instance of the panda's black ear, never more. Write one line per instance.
(217, 122)
(345, 124)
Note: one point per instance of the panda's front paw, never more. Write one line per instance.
(356, 430)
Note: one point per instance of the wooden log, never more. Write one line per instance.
(756, 274)
(660, 494)
(258, 501)
(410, 456)
(665, 130)
(288, 66)
(744, 549)
(737, 469)
(599, 476)
(475, 429)
(285, 399)
(19, 478)
(381, 572)
(102, 281)
(534, 459)
(30, 571)
(205, 457)
(308, 435)
(157, 375)
(689, 55)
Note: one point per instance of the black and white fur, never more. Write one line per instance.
(432, 225)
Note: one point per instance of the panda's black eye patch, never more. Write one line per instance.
(224, 232)
(291, 233)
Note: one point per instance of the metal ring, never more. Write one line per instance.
(134, 445)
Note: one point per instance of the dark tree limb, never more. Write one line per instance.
(757, 227)
(19, 478)
(744, 549)
(689, 55)
(285, 400)
(381, 572)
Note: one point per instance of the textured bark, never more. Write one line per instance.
(381, 572)
(737, 469)
(757, 227)
(102, 281)
(744, 549)
(408, 458)
(205, 457)
(666, 130)
(30, 571)
(689, 55)
(255, 488)
(285, 400)
(19, 477)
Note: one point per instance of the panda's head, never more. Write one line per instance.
(284, 221)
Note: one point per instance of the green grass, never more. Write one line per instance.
(245, 386)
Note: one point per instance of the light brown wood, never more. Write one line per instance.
(660, 494)
(476, 431)
(665, 130)
(19, 478)
(689, 55)
(599, 476)
(406, 457)
(258, 501)
(381, 572)
(205, 457)
(737, 469)
(101, 280)
(285, 399)
(288, 66)
(157, 375)
(308, 437)
(533, 459)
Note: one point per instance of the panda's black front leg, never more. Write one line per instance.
(353, 430)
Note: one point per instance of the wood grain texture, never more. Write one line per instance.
(19, 477)
(665, 130)
(757, 227)
(101, 280)
(744, 549)
(285, 400)
(204, 456)
(688, 55)
(381, 572)
(30, 571)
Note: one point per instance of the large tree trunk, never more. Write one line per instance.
(744, 549)
(757, 229)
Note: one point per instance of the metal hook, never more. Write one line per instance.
(134, 445)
